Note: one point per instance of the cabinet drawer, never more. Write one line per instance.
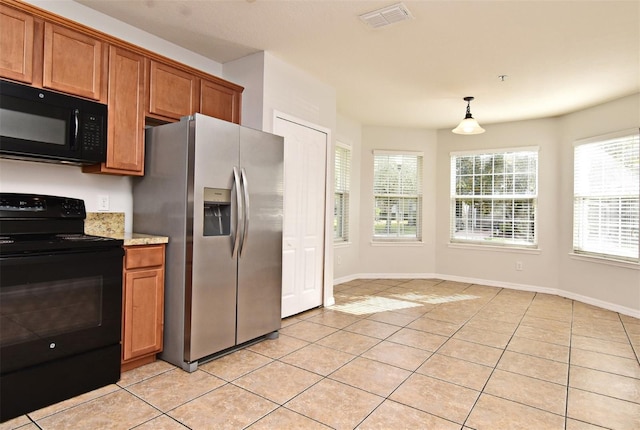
(143, 256)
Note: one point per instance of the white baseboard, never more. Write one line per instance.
(500, 284)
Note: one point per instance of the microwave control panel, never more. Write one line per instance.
(93, 135)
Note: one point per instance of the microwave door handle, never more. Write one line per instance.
(76, 128)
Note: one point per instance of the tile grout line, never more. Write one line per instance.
(566, 404)
(500, 358)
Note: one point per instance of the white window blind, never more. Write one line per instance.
(606, 213)
(397, 191)
(494, 196)
(341, 191)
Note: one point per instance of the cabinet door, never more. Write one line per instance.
(219, 101)
(143, 313)
(16, 45)
(72, 62)
(125, 147)
(172, 92)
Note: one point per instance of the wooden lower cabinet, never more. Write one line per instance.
(143, 304)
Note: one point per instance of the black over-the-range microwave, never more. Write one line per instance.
(37, 124)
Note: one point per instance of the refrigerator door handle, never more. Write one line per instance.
(239, 212)
(245, 230)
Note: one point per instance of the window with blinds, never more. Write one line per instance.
(494, 197)
(606, 200)
(341, 191)
(397, 193)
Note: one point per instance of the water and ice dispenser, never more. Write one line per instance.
(217, 212)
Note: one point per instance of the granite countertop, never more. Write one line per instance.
(111, 224)
(131, 239)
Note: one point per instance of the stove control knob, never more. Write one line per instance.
(52, 345)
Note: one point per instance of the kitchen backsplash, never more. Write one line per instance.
(104, 223)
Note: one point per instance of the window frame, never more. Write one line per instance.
(341, 191)
(583, 202)
(417, 196)
(512, 199)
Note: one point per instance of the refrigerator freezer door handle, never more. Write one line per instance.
(245, 230)
(239, 212)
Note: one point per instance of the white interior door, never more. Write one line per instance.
(305, 154)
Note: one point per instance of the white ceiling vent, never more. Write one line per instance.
(386, 15)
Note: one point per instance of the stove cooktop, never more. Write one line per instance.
(23, 243)
(38, 223)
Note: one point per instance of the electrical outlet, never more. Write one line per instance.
(518, 265)
(103, 202)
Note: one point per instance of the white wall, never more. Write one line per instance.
(387, 259)
(66, 181)
(295, 92)
(249, 72)
(346, 256)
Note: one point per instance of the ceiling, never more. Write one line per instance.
(558, 56)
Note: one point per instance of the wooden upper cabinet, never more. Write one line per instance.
(73, 62)
(125, 130)
(47, 51)
(173, 93)
(219, 101)
(16, 44)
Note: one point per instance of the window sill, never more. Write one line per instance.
(343, 244)
(503, 248)
(603, 260)
(396, 243)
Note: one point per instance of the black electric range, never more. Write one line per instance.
(60, 303)
(31, 223)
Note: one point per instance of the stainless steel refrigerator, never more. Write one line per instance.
(216, 189)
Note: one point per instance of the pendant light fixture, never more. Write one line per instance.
(468, 125)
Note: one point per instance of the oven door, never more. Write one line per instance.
(54, 305)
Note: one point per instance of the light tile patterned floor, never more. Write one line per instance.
(394, 354)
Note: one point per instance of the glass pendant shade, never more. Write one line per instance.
(468, 125)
